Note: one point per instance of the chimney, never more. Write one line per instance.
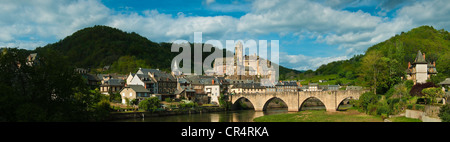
(434, 63)
(409, 65)
(212, 81)
(423, 55)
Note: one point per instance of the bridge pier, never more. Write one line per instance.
(331, 99)
(290, 109)
(259, 109)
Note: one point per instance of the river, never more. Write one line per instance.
(229, 116)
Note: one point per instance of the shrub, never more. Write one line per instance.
(432, 94)
(409, 84)
(419, 107)
(115, 97)
(416, 90)
(366, 99)
(382, 108)
(149, 104)
(102, 110)
(444, 113)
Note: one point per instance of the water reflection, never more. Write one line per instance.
(231, 116)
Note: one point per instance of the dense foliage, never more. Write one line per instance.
(48, 90)
(416, 90)
(150, 104)
(444, 113)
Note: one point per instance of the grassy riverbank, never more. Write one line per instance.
(349, 115)
(404, 119)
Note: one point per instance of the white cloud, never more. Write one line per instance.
(208, 2)
(302, 62)
(46, 19)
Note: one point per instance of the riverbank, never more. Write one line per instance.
(115, 116)
(349, 115)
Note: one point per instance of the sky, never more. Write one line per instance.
(310, 33)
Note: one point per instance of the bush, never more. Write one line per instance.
(432, 94)
(366, 99)
(409, 84)
(115, 97)
(416, 90)
(102, 110)
(383, 108)
(444, 113)
(188, 105)
(168, 100)
(150, 104)
(416, 107)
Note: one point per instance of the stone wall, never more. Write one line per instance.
(416, 114)
(429, 115)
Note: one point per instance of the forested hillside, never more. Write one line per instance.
(383, 64)
(99, 46)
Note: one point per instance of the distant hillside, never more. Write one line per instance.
(434, 43)
(99, 46)
(384, 64)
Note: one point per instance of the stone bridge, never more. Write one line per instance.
(294, 100)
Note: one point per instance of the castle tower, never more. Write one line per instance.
(421, 72)
(238, 56)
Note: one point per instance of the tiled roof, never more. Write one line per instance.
(138, 88)
(114, 82)
(445, 82)
(419, 58)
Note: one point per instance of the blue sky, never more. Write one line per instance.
(311, 33)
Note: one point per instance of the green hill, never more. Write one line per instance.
(99, 46)
(388, 60)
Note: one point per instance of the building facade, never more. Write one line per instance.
(420, 70)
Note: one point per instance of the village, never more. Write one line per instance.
(201, 89)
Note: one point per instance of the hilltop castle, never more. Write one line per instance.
(245, 67)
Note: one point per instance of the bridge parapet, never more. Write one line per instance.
(294, 100)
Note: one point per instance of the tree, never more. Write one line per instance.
(223, 101)
(366, 99)
(150, 104)
(115, 97)
(372, 65)
(49, 90)
(444, 113)
(433, 93)
(443, 64)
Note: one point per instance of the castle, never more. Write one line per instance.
(244, 67)
(420, 70)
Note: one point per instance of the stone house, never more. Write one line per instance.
(135, 92)
(248, 88)
(111, 86)
(154, 80)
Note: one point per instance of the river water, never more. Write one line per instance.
(229, 116)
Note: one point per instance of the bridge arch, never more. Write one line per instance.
(341, 102)
(236, 103)
(302, 102)
(267, 102)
